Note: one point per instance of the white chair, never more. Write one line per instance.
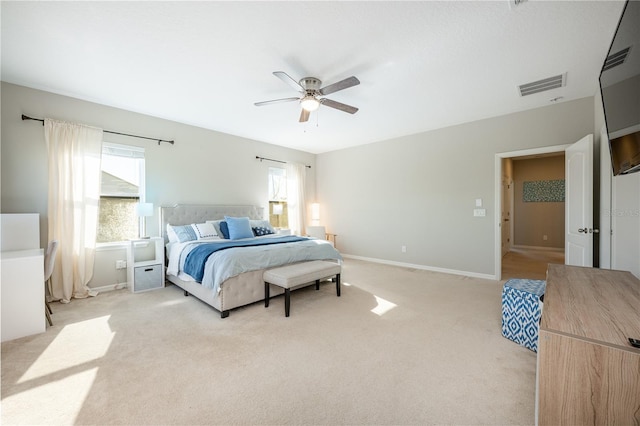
(49, 261)
(318, 232)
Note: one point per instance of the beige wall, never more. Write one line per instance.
(533, 220)
(203, 167)
(419, 191)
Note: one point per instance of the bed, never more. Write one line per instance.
(231, 275)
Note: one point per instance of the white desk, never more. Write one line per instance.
(22, 293)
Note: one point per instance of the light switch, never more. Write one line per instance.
(478, 202)
(479, 212)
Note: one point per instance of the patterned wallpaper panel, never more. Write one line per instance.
(543, 191)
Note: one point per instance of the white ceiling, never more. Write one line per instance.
(422, 65)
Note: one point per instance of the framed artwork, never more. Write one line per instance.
(543, 191)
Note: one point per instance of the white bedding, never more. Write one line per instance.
(224, 264)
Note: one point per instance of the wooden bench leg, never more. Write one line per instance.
(338, 284)
(317, 284)
(287, 301)
(266, 294)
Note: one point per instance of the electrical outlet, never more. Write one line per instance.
(403, 249)
(544, 237)
(121, 264)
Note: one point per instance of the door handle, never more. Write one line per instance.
(595, 230)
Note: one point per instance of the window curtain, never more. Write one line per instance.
(74, 194)
(296, 176)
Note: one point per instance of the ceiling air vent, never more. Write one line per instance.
(616, 59)
(543, 85)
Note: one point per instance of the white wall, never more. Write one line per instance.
(203, 167)
(419, 191)
(619, 210)
(625, 223)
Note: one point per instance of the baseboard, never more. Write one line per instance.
(422, 267)
(539, 248)
(109, 287)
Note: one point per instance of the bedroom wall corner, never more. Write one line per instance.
(203, 167)
(418, 192)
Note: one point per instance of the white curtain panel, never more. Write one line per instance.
(296, 203)
(75, 153)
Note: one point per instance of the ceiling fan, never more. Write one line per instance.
(311, 90)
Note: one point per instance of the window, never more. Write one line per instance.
(122, 187)
(278, 215)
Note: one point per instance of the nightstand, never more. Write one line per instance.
(145, 269)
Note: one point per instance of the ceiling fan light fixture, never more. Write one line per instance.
(309, 103)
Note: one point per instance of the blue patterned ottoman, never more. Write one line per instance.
(521, 311)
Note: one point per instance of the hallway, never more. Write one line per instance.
(529, 263)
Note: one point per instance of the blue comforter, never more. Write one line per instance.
(195, 261)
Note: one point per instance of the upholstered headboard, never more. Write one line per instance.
(185, 214)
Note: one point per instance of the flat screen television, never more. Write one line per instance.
(620, 89)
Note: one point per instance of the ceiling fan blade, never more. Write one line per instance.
(339, 105)
(304, 115)
(341, 85)
(276, 101)
(290, 81)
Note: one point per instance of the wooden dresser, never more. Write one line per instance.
(588, 373)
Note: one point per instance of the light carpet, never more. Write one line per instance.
(400, 346)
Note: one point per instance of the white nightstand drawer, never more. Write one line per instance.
(147, 278)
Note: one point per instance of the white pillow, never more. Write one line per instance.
(204, 230)
(216, 226)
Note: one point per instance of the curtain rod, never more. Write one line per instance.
(25, 117)
(276, 161)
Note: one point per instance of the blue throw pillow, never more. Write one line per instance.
(185, 233)
(261, 230)
(239, 227)
(224, 230)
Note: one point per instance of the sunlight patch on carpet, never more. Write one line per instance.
(383, 307)
(64, 351)
(73, 389)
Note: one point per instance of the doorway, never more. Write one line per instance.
(524, 260)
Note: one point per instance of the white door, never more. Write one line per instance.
(579, 203)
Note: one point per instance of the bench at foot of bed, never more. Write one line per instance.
(298, 275)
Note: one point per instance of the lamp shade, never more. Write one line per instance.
(315, 211)
(144, 209)
(277, 209)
